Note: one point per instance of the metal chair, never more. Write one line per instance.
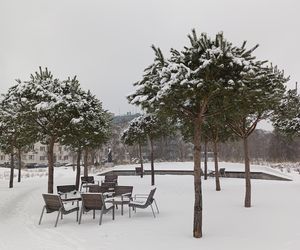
(86, 181)
(122, 195)
(143, 201)
(65, 189)
(95, 201)
(111, 178)
(54, 203)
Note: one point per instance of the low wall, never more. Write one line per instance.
(228, 174)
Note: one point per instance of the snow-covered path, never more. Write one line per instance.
(272, 222)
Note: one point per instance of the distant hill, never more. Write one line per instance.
(119, 119)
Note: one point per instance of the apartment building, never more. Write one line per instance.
(38, 154)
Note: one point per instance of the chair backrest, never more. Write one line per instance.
(111, 178)
(109, 185)
(98, 189)
(92, 201)
(119, 190)
(52, 202)
(87, 179)
(150, 197)
(66, 188)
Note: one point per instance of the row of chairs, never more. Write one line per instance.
(109, 180)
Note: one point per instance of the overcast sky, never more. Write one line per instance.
(107, 43)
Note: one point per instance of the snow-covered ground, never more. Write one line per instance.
(271, 223)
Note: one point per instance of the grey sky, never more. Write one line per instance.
(107, 43)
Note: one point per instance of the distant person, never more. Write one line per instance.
(109, 155)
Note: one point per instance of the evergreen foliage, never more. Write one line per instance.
(15, 133)
(90, 129)
(50, 105)
(286, 118)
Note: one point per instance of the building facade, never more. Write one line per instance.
(38, 154)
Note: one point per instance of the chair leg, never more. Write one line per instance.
(156, 205)
(59, 211)
(101, 214)
(42, 215)
(152, 210)
(113, 213)
(81, 211)
(77, 215)
(129, 208)
(93, 214)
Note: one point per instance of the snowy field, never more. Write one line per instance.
(271, 223)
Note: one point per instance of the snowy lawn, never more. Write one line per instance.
(272, 222)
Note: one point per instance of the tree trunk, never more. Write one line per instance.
(78, 169)
(217, 174)
(247, 174)
(197, 230)
(20, 165)
(11, 178)
(85, 163)
(205, 159)
(152, 163)
(50, 154)
(141, 161)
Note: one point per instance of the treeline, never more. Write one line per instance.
(264, 146)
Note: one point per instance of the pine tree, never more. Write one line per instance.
(89, 130)
(49, 104)
(259, 94)
(16, 133)
(147, 126)
(135, 134)
(184, 86)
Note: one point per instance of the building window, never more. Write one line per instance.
(60, 149)
(31, 157)
(31, 147)
(59, 157)
(42, 149)
(42, 158)
(2, 157)
(66, 158)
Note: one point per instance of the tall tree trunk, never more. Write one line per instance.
(197, 230)
(12, 163)
(152, 163)
(85, 163)
(205, 159)
(247, 174)
(150, 142)
(217, 174)
(50, 154)
(78, 169)
(141, 160)
(19, 164)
